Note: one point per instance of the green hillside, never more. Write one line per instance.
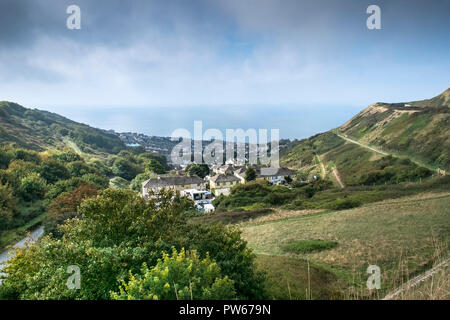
(419, 129)
(41, 130)
(384, 143)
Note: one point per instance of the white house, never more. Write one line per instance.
(176, 183)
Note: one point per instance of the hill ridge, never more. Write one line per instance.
(37, 129)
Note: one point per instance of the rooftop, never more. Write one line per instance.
(224, 178)
(163, 181)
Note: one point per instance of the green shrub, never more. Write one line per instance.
(342, 204)
(126, 169)
(100, 181)
(136, 183)
(181, 276)
(118, 232)
(79, 168)
(201, 170)
(8, 206)
(52, 171)
(32, 187)
(66, 157)
(155, 166)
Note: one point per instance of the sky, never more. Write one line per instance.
(153, 66)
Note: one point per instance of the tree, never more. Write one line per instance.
(136, 183)
(39, 271)
(26, 155)
(119, 231)
(145, 156)
(288, 179)
(102, 168)
(154, 166)
(125, 169)
(230, 251)
(32, 187)
(201, 170)
(66, 157)
(5, 158)
(181, 276)
(64, 186)
(250, 174)
(8, 205)
(52, 171)
(98, 180)
(21, 168)
(65, 207)
(79, 168)
(121, 216)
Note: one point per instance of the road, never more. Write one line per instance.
(33, 237)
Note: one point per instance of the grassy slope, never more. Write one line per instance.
(421, 131)
(268, 230)
(290, 278)
(349, 159)
(437, 287)
(41, 130)
(399, 235)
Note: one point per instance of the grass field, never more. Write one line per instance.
(402, 236)
(437, 287)
(291, 278)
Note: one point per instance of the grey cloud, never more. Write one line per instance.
(204, 51)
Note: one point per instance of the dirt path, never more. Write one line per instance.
(322, 167)
(338, 177)
(362, 145)
(382, 152)
(415, 281)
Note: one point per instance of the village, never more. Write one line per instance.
(221, 179)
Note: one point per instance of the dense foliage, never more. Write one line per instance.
(119, 233)
(181, 276)
(259, 194)
(201, 170)
(319, 194)
(30, 180)
(8, 206)
(65, 207)
(36, 129)
(250, 174)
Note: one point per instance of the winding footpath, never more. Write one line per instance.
(323, 172)
(361, 144)
(382, 152)
(338, 178)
